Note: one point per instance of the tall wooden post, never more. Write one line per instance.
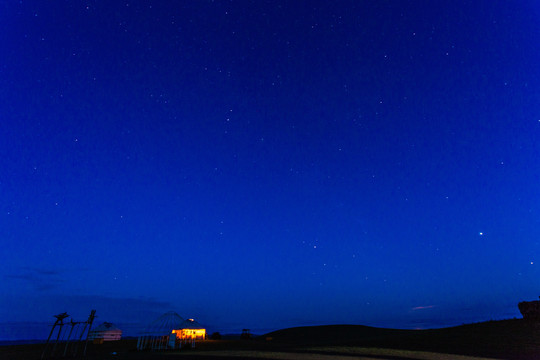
(72, 323)
(59, 321)
(90, 321)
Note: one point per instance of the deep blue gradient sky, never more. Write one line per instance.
(266, 164)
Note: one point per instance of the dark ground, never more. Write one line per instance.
(507, 339)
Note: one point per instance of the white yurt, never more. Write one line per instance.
(106, 331)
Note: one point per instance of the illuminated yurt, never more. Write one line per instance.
(106, 331)
(170, 331)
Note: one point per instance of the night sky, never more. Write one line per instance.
(267, 164)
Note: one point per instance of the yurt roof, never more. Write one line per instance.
(165, 324)
(106, 326)
(191, 324)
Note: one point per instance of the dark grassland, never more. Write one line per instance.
(506, 339)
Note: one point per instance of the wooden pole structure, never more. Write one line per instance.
(57, 337)
(76, 348)
(72, 323)
(142, 342)
(90, 321)
(86, 323)
(59, 319)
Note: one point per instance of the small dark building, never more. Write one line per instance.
(246, 335)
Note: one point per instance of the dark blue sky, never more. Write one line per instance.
(266, 164)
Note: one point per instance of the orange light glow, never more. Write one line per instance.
(189, 334)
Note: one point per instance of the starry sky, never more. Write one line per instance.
(266, 164)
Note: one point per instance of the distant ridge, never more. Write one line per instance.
(333, 333)
(514, 338)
